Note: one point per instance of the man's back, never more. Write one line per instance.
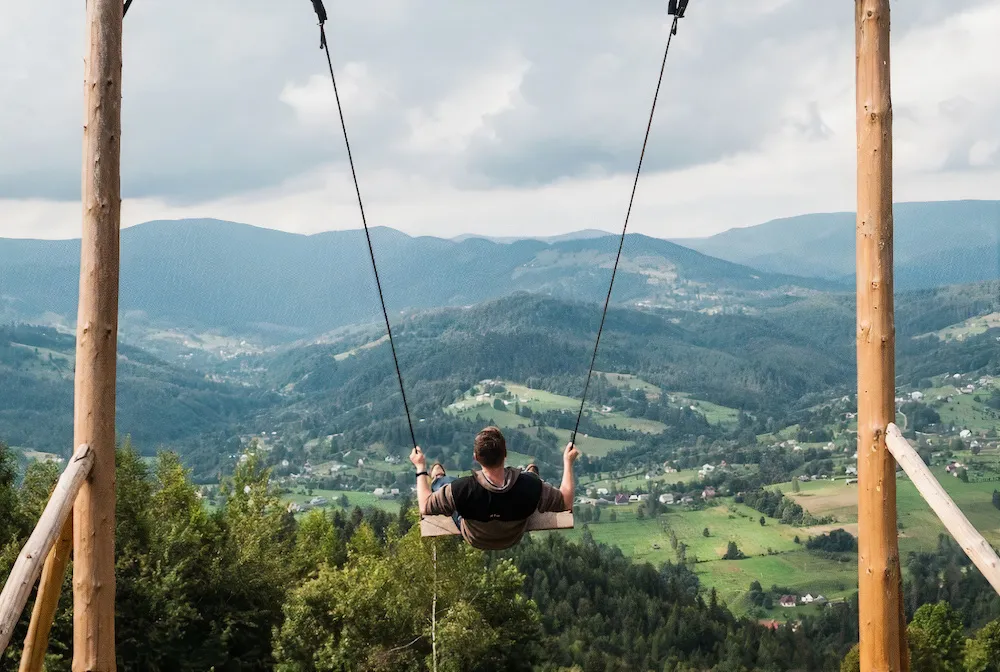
(495, 517)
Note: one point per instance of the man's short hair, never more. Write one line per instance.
(490, 448)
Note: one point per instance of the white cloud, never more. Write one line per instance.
(489, 122)
(450, 124)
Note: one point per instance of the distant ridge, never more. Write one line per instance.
(225, 275)
(584, 234)
(936, 243)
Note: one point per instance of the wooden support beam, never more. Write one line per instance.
(442, 526)
(36, 643)
(882, 623)
(97, 341)
(28, 565)
(968, 537)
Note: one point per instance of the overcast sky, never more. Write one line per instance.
(521, 117)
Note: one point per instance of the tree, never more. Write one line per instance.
(762, 521)
(936, 640)
(996, 499)
(499, 405)
(613, 516)
(982, 652)
(733, 552)
(640, 513)
(795, 485)
(371, 613)
(704, 532)
(852, 661)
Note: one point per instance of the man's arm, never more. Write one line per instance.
(568, 487)
(419, 461)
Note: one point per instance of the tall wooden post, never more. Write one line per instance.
(97, 341)
(883, 632)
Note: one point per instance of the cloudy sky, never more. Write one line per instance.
(504, 118)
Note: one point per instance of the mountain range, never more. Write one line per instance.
(211, 275)
(223, 275)
(937, 243)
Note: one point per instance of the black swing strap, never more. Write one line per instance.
(321, 15)
(677, 13)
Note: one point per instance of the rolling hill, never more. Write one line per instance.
(938, 243)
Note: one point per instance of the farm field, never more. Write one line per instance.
(508, 420)
(638, 480)
(714, 413)
(627, 381)
(964, 411)
(362, 499)
(920, 527)
(791, 566)
(971, 327)
(774, 557)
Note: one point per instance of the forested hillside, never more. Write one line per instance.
(769, 365)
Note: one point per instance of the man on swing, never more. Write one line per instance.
(491, 508)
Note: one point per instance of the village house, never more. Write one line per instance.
(633, 498)
(788, 601)
(708, 493)
(667, 498)
(621, 500)
(643, 497)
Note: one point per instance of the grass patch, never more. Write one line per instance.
(638, 480)
(626, 381)
(362, 499)
(714, 413)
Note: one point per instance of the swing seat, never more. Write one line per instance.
(442, 526)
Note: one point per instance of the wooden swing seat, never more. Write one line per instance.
(442, 526)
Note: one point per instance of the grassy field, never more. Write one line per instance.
(639, 480)
(509, 420)
(774, 557)
(971, 327)
(362, 499)
(920, 527)
(627, 381)
(541, 401)
(787, 564)
(38, 456)
(963, 411)
(715, 414)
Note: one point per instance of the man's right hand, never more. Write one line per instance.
(570, 454)
(418, 459)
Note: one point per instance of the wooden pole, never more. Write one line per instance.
(968, 537)
(28, 565)
(36, 643)
(97, 340)
(882, 623)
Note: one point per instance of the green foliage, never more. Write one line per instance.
(936, 640)
(982, 652)
(374, 613)
(835, 541)
(852, 661)
(733, 552)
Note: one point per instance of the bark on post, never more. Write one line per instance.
(882, 626)
(36, 643)
(97, 340)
